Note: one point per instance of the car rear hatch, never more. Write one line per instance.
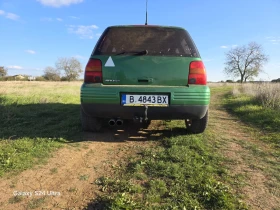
(141, 55)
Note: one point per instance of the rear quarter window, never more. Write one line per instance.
(158, 41)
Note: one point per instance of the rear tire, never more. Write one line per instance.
(197, 126)
(90, 123)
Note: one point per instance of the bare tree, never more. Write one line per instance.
(51, 73)
(3, 71)
(71, 67)
(245, 61)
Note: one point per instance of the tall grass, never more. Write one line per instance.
(267, 94)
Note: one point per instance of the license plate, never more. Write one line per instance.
(141, 100)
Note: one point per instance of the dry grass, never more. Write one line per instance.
(26, 92)
(13, 87)
(220, 84)
(268, 94)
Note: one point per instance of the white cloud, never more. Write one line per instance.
(80, 57)
(49, 19)
(273, 39)
(228, 46)
(15, 67)
(59, 3)
(74, 17)
(84, 32)
(9, 15)
(30, 51)
(46, 19)
(12, 16)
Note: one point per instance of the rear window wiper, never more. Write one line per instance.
(143, 52)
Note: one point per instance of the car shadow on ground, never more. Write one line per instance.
(61, 122)
(134, 132)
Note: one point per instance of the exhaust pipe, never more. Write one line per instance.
(112, 122)
(119, 122)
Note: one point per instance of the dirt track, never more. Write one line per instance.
(238, 146)
(67, 180)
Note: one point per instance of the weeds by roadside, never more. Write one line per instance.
(252, 143)
(17, 155)
(258, 105)
(266, 94)
(263, 116)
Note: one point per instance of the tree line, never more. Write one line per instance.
(66, 69)
(3, 71)
(71, 66)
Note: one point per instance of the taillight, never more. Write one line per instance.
(93, 72)
(197, 73)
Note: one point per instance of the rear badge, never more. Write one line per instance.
(110, 62)
(112, 80)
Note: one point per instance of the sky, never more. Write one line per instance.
(35, 33)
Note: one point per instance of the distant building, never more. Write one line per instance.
(18, 77)
(30, 78)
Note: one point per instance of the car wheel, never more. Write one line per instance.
(197, 126)
(90, 123)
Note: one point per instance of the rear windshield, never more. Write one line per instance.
(156, 40)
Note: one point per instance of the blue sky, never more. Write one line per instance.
(34, 33)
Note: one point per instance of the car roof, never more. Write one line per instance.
(150, 26)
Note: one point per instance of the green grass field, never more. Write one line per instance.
(36, 118)
(181, 171)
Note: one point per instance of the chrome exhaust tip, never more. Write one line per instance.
(112, 122)
(119, 122)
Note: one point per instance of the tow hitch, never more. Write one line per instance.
(146, 112)
(140, 119)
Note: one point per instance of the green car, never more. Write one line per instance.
(144, 73)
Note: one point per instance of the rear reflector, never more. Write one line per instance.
(93, 72)
(197, 73)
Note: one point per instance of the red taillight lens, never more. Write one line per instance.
(93, 72)
(197, 73)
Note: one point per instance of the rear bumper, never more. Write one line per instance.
(153, 113)
(104, 101)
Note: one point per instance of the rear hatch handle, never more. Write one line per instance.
(146, 80)
(143, 52)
